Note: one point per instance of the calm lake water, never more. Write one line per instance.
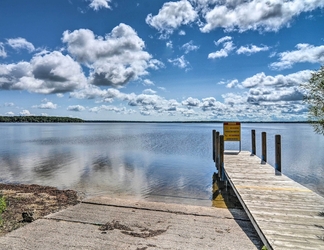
(153, 161)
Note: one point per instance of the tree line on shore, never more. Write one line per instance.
(38, 119)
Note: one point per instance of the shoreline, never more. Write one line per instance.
(29, 202)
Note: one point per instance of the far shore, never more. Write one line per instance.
(59, 119)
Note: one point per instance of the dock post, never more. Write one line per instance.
(213, 137)
(253, 142)
(217, 150)
(264, 148)
(221, 173)
(278, 152)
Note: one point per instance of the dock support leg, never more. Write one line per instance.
(253, 142)
(217, 150)
(213, 146)
(278, 153)
(221, 158)
(264, 148)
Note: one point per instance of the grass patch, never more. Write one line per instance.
(3, 206)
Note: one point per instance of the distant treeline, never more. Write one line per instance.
(40, 119)
(119, 121)
(69, 119)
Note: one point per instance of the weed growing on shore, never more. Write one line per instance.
(3, 207)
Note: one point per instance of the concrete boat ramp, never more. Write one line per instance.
(107, 223)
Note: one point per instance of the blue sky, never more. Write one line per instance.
(240, 60)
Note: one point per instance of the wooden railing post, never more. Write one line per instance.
(214, 143)
(264, 148)
(278, 152)
(253, 142)
(221, 173)
(217, 150)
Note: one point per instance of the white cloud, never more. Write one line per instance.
(282, 105)
(89, 92)
(188, 112)
(223, 40)
(254, 14)
(106, 95)
(171, 16)
(145, 112)
(115, 93)
(148, 82)
(47, 105)
(169, 44)
(304, 53)
(257, 95)
(182, 33)
(3, 53)
(21, 43)
(180, 62)
(98, 4)
(149, 91)
(9, 104)
(76, 108)
(10, 113)
(251, 49)
(111, 108)
(191, 102)
(25, 112)
(187, 47)
(153, 104)
(50, 73)
(234, 99)
(280, 89)
(210, 103)
(232, 84)
(54, 73)
(146, 100)
(267, 97)
(60, 95)
(115, 59)
(228, 46)
(261, 79)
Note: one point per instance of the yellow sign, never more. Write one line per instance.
(232, 131)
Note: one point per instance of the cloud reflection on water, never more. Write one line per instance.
(165, 162)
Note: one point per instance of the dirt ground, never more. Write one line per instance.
(26, 203)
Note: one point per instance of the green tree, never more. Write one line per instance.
(314, 97)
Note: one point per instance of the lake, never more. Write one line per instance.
(152, 161)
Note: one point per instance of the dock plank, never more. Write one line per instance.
(286, 214)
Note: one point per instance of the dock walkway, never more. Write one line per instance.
(285, 214)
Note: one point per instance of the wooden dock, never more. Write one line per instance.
(285, 214)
